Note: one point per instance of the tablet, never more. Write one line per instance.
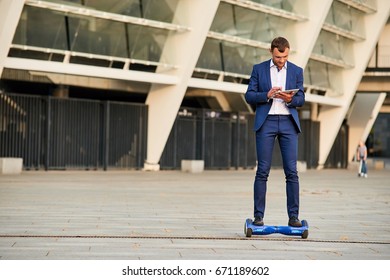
(291, 91)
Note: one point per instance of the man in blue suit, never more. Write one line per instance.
(276, 117)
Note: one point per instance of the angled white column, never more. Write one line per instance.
(364, 111)
(10, 11)
(332, 118)
(306, 32)
(181, 49)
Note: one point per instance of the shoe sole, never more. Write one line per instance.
(297, 225)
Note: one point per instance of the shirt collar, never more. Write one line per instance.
(273, 65)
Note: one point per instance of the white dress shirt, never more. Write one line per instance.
(278, 79)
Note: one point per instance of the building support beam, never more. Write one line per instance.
(306, 32)
(364, 111)
(182, 49)
(50, 67)
(10, 11)
(331, 119)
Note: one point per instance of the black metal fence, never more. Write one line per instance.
(55, 133)
(223, 140)
(309, 143)
(227, 140)
(338, 155)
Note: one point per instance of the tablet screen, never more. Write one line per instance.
(291, 91)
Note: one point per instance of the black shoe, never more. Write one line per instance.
(294, 222)
(258, 221)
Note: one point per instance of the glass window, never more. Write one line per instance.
(159, 10)
(240, 59)
(322, 75)
(105, 37)
(286, 5)
(346, 17)
(248, 24)
(244, 23)
(146, 43)
(41, 28)
(229, 57)
(210, 57)
(316, 73)
(97, 36)
(334, 46)
(49, 29)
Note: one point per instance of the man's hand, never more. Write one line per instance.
(286, 97)
(273, 92)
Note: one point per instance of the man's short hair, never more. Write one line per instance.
(280, 43)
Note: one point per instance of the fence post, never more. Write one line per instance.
(106, 133)
(238, 123)
(48, 125)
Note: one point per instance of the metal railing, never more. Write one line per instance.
(67, 133)
(55, 133)
(226, 140)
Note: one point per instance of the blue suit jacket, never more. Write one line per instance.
(260, 84)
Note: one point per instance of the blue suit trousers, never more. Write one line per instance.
(284, 129)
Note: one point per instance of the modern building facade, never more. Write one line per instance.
(171, 55)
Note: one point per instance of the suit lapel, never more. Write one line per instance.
(289, 77)
(268, 74)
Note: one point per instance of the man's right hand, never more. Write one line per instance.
(273, 91)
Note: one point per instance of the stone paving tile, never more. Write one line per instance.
(348, 216)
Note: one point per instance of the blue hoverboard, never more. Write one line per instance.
(251, 229)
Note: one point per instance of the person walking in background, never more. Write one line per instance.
(276, 117)
(361, 156)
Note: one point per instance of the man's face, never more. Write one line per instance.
(280, 58)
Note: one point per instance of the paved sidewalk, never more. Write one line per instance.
(171, 215)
